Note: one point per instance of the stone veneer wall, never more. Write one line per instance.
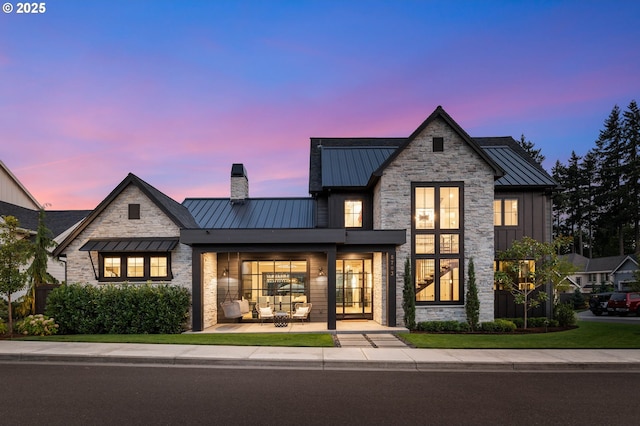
(392, 210)
(114, 222)
(209, 289)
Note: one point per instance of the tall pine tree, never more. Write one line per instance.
(610, 183)
(631, 170)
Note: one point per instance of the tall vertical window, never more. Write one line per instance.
(437, 238)
(353, 214)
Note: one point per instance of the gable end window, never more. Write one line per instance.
(353, 214)
(135, 266)
(134, 211)
(437, 230)
(438, 144)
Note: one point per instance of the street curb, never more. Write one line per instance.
(371, 365)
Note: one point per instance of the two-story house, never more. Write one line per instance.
(436, 198)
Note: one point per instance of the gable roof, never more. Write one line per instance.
(174, 210)
(599, 264)
(345, 162)
(440, 113)
(57, 221)
(254, 213)
(362, 163)
(520, 168)
(28, 200)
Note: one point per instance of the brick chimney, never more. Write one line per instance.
(239, 183)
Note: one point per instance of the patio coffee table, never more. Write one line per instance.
(281, 319)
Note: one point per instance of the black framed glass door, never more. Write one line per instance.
(354, 289)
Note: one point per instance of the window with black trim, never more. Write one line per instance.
(135, 266)
(437, 242)
(438, 144)
(505, 212)
(353, 214)
(134, 211)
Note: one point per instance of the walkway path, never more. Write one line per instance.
(376, 340)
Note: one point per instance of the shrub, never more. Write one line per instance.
(472, 305)
(3, 327)
(534, 322)
(409, 298)
(498, 326)
(565, 315)
(443, 326)
(119, 309)
(37, 325)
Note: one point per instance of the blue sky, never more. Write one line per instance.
(177, 91)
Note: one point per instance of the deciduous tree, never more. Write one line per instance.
(15, 252)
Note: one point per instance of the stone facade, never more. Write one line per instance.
(392, 210)
(113, 222)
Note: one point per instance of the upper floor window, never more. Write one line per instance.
(353, 214)
(134, 267)
(437, 237)
(505, 212)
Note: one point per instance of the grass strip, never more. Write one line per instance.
(588, 335)
(230, 339)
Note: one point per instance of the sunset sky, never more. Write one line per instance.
(176, 91)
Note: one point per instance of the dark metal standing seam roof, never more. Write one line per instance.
(519, 172)
(253, 213)
(351, 166)
(131, 245)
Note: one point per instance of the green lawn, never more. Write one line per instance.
(238, 339)
(589, 335)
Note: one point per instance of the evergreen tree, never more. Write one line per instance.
(472, 303)
(409, 298)
(529, 146)
(559, 174)
(38, 274)
(610, 183)
(631, 170)
(587, 171)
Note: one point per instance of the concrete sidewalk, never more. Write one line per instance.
(345, 358)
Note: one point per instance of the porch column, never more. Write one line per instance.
(391, 288)
(331, 289)
(197, 306)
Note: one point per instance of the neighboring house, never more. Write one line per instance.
(13, 192)
(614, 271)
(17, 201)
(432, 198)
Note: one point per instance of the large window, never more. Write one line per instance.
(437, 238)
(505, 212)
(134, 267)
(278, 283)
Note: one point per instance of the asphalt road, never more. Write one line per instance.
(588, 316)
(37, 394)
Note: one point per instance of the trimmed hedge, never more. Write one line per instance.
(533, 322)
(119, 309)
(498, 326)
(446, 326)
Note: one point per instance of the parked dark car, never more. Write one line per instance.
(623, 303)
(598, 303)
